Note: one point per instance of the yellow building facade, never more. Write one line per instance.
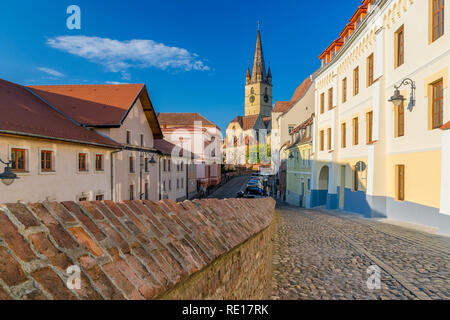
(299, 165)
(379, 152)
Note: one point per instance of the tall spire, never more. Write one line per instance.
(247, 77)
(259, 68)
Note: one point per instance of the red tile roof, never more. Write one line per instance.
(99, 105)
(183, 120)
(22, 113)
(246, 122)
(283, 106)
(166, 147)
(307, 122)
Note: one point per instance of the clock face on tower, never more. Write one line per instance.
(252, 99)
(266, 98)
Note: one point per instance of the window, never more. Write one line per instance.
(82, 162)
(356, 81)
(322, 103)
(400, 182)
(400, 120)
(329, 138)
(291, 127)
(132, 164)
(355, 179)
(182, 166)
(182, 182)
(146, 164)
(343, 135)
(344, 90)
(131, 192)
(437, 104)
(168, 165)
(438, 19)
(146, 189)
(370, 70)
(322, 140)
(178, 183)
(399, 47)
(128, 137)
(164, 186)
(164, 165)
(19, 159)
(330, 98)
(99, 162)
(355, 131)
(170, 184)
(46, 161)
(99, 197)
(142, 140)
(369, 124)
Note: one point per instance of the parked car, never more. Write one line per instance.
(255, 187)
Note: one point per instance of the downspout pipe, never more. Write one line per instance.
(112, 173)
(159, 186)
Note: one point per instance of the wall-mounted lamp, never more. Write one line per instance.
(291, 155)
(397, 98)
(8, 176)
(152, 160)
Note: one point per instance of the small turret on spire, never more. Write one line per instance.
(269, 75)
(247, 77)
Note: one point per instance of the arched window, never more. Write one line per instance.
(252, 91)
(265, 91)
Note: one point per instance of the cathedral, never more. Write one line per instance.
(248, 137)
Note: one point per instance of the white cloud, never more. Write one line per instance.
(51, 72)
(114, 82)
(119, 56)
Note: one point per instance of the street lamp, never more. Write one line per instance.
(397, 99)
(152, 160)
(8, 176)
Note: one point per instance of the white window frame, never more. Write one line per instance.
(53, 170)
(95, 162)
(27, 159)
(87, 162)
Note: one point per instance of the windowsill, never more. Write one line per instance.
(99, 171)
(47, 173)
(83, 171)
(21, 173)
(371, 142)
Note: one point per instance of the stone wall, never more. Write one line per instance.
(137, 249)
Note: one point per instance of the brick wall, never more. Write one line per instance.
(137, 249)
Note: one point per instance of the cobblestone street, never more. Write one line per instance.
(319, 255)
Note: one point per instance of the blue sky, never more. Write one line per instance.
(192, 55)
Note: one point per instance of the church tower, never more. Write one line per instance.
(258, 85)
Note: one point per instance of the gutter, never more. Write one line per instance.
(16, 133)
